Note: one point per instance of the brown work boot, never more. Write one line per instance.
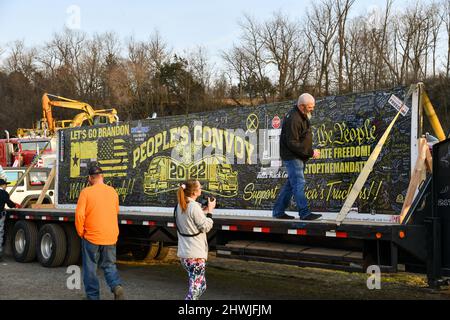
(119, 293)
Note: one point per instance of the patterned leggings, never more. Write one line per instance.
(197, 282)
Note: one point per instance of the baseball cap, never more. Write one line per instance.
(3, 182)
(95, 170)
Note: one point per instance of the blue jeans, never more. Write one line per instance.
(294, 186)
(2, 229)
(94, 255)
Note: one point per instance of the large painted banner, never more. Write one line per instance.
(235, 154)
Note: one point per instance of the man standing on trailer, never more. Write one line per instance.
(96, 221)
(4, 200)
(295, 150)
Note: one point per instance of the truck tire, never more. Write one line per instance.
(147, 252)
(24, 238)
(28, 203)
(52, 245)
(7, 240)
(139, 252)
(152, 252)
(73, 253)
(163, 251)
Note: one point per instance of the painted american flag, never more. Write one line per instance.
(113, 157)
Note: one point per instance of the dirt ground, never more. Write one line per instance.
(227, 280)
(312, 283)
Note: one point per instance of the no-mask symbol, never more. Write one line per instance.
(252, 122)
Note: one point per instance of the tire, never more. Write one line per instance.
(29, 203)
(7, 240)
(146, 251)
(152, 252)
(73, 253)
(24, 238)
(163, 251)
(52, 245)
(139, 252)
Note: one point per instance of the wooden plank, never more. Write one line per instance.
(354, 255)
(51, 176)
(42, 206)
(327, 252)
(429, 161)
(238, 244)
(295, 248)
(263, 245)
(276, 247)
(417, 178)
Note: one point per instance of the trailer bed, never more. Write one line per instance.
(257, 224)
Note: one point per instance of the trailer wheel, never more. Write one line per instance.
(155, 251)
(52, 245)
(163, 251)
(29, 203)
(141, 252)
(73, 252)
(152, 252)
(24, 238)
(8, 231)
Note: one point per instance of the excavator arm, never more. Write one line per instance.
(88, 113)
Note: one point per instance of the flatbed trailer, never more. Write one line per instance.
(420, 243)
(351, 246)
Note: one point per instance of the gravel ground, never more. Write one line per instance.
(226, 278)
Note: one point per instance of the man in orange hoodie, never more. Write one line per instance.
(96, 221)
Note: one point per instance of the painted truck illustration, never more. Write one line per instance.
(165, 174)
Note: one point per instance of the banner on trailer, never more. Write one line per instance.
(234, 153)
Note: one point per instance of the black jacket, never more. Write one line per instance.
(296, 136)
(4, 199)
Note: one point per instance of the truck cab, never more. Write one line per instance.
(29, 190)
(17, 152)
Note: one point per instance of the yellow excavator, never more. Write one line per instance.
(48, 124)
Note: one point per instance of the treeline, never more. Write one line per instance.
(323, 52)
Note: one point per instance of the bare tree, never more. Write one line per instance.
(446, 18)
(418, 20)
(436, 23)
(342, 10)
(22, 59)
(254, 47)
(282, 40)
(243, 67)
(234, 62)
(354, 53)
(200, 66)
(158, 55)
(321, 29)
(380, 40)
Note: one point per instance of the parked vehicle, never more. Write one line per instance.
(29, 190)
(20, 152)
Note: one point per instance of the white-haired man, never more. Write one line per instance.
(295, 150)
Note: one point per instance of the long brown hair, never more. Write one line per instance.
(185, 190)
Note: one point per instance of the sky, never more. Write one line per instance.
(183, 24)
